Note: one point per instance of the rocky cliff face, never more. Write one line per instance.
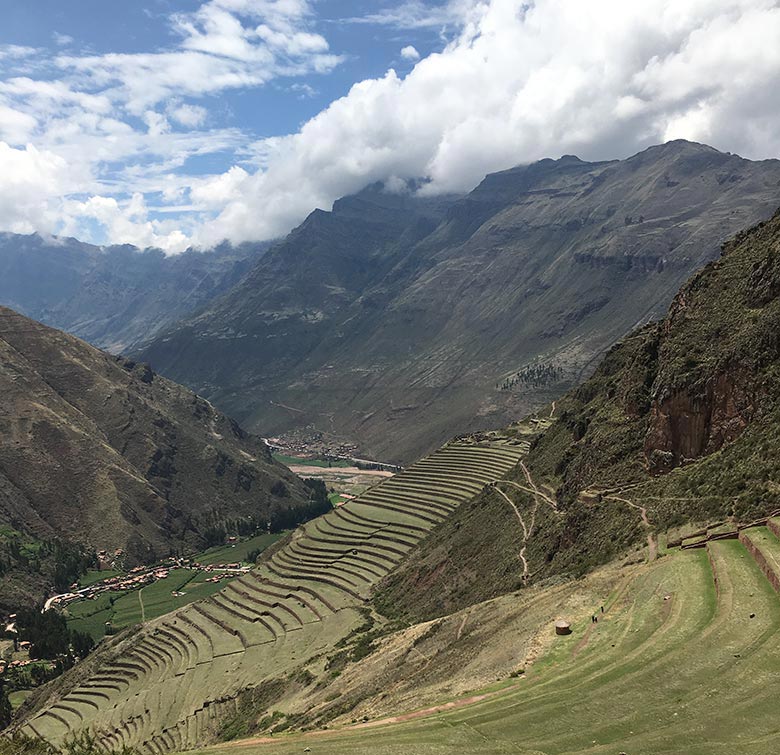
(694, 422)
(700, 384)
(398, 323)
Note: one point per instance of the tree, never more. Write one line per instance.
(6, 712)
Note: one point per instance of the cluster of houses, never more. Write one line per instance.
(11, 665)
(141, 576)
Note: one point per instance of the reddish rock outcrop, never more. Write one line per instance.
(688, 424)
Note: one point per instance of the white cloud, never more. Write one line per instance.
(127, 223)
(221, 48)
(16, 127)
(418, 14)
(32, 185)
(524, 81)
(190, 116)
(410, 53)
(518, 81)
(63, 40)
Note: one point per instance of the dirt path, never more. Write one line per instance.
(526, 531)
(552, 410)
(652, 543)
(141, 601)
(529, 527)
(462, 625)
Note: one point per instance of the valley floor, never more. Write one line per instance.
(685, 658)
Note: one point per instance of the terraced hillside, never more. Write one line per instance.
(685, 659)
(169, 686)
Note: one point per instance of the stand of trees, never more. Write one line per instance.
(49, 636)
(537, 375)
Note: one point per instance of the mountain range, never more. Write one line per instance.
(115, 297)
(399, 320)
(679, 423)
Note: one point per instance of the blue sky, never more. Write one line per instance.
(184, 122)
(109, 26)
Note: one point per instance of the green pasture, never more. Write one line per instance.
(123, 609)
(237, 552)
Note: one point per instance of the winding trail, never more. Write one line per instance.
(141, 601)
(528, 529)
(652, 543)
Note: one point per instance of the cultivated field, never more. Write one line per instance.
(686, 658)
(169, 687)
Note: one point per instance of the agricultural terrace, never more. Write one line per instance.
(686, 658)
(167, 687)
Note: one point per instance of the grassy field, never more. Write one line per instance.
(673, 666)
(228, 554)
(127, 608)
(93, 575)
(17, 697)
(156, 599)
(300, 461)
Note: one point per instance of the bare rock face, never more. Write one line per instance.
(391, 301)
(689, 424)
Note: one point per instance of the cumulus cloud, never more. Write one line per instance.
(517, 81)
(33, 183)
(128, 120)
(524, 81)
(127, 223)
(410, 53)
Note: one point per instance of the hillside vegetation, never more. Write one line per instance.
(99, 453)
(680, 423)
(291, 623)
(398, 321)
(681, 661)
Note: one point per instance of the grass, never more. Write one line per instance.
(643, 680)
(93, 576)
(125, 609)
(293, 610)
(300, 461)
(17, 697)
(237, 552)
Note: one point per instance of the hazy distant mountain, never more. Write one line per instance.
(100, 451)
(399, 323)
(117, 297)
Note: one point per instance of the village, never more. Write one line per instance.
(141, 576)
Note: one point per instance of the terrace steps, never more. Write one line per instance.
(191, 664)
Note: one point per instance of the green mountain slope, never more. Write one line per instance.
(100, 451)
(680, 423)
(398, 323)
